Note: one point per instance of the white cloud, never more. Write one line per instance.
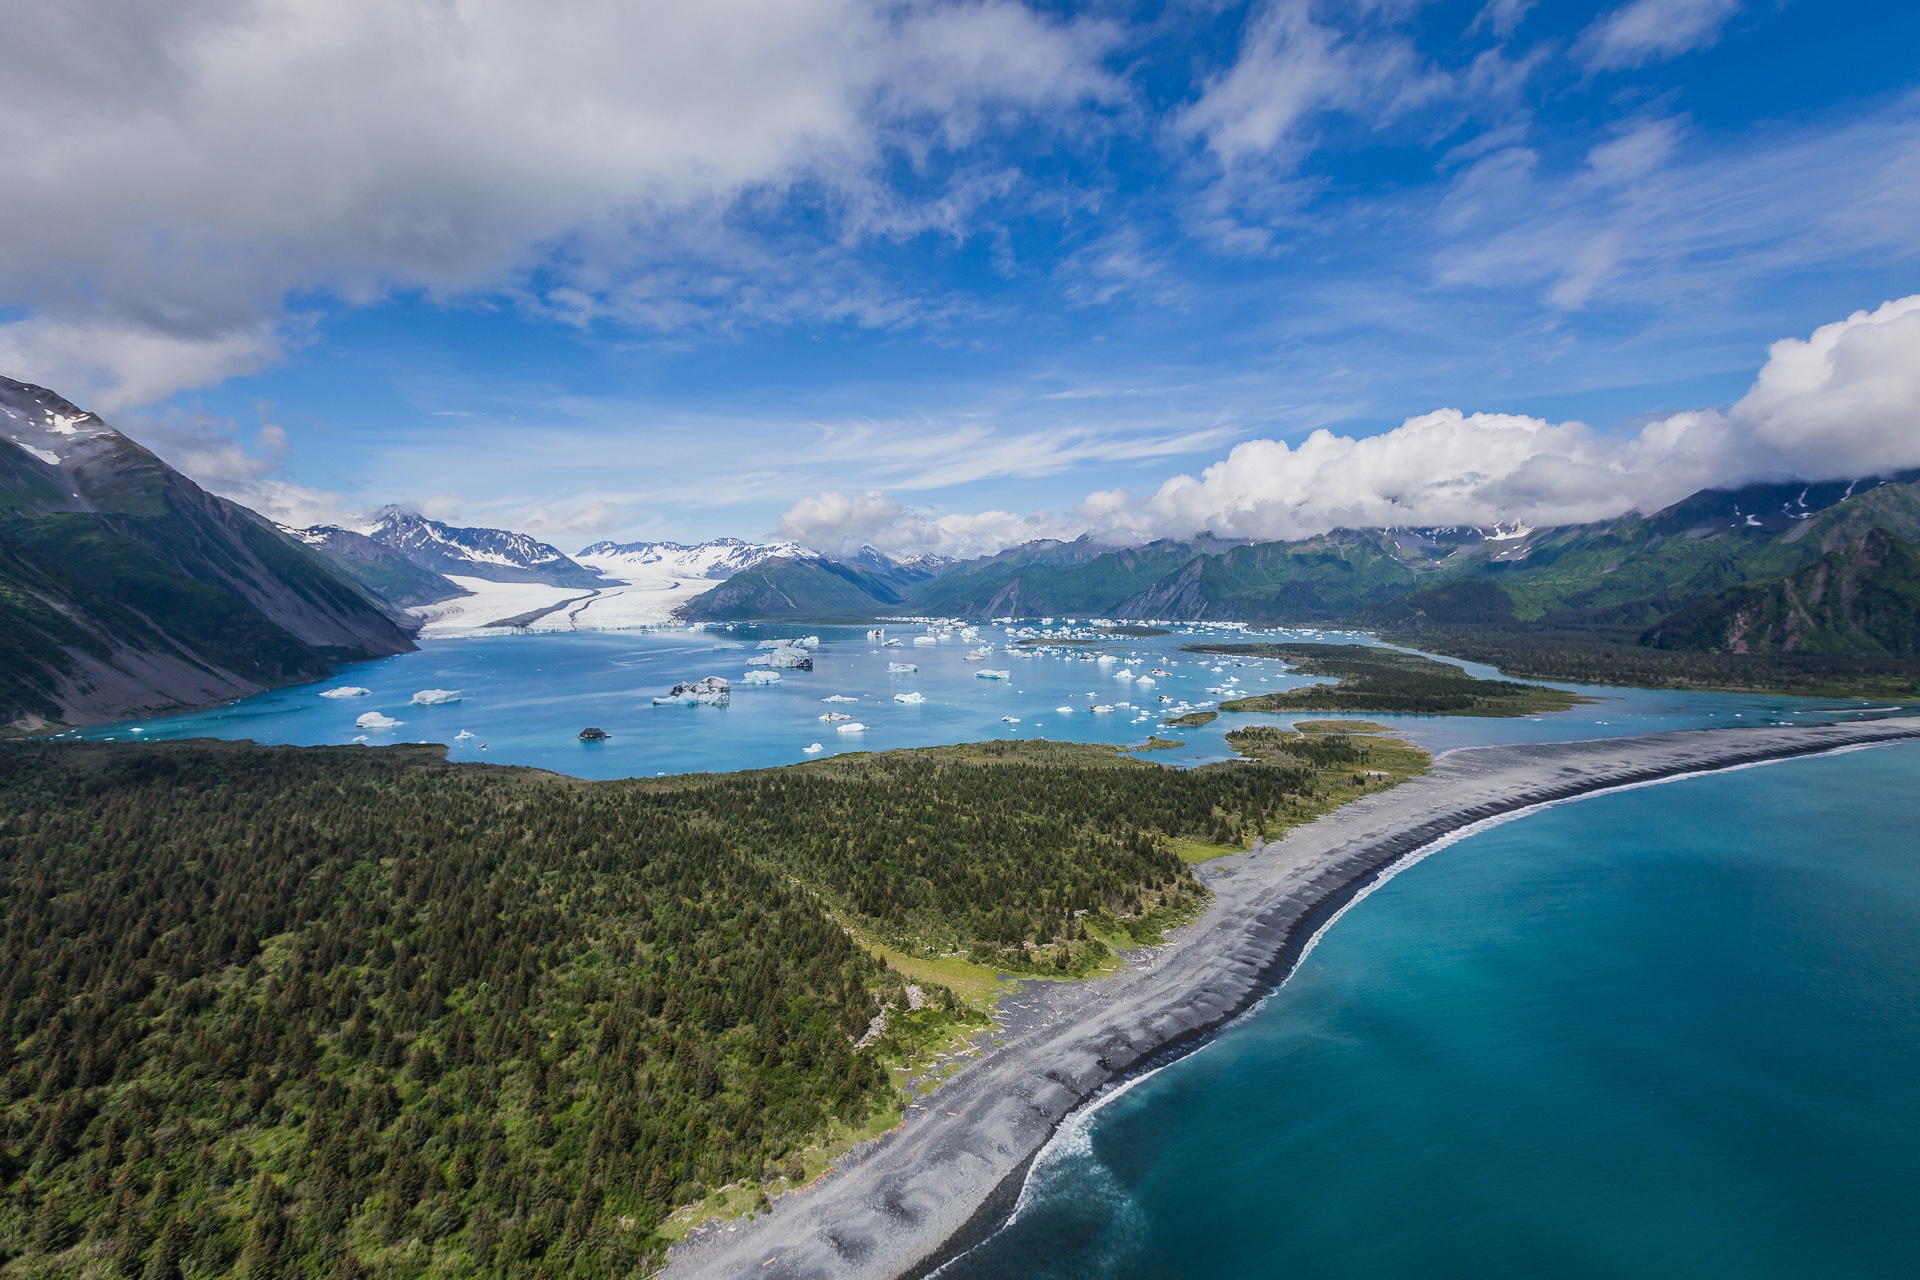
(838, 524)
(1845, 402)
(1653, 31)
(1842, 404)
(174, 171)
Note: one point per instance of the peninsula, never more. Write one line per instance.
(947, 1176)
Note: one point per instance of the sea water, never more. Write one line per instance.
(1664, 1032)
(523, 699)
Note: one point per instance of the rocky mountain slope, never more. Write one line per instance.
(497, 555)
(126, 589)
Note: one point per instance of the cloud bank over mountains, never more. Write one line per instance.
(1840, 404)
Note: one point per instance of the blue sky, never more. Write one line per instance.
(680, 270)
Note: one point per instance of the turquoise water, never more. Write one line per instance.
(1670, 1031)
(524, 700)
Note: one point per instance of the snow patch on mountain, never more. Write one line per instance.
(498, 555)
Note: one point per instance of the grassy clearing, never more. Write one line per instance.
(1340, 726)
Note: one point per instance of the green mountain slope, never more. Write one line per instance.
(127, 589)
(789, 588)
(380, 569)
(1860, 598)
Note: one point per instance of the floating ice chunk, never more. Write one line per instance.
(773, 644)
(894, 643)
(435, 697)
(1102, 710)
(813, 749)
(979, 655)
(1010, 719)
(833, 717)
(808, 642)
(790, 659)
(710, 692)
(1065, 711)
(838, 697)
(358, 737)
(1146, 682)
(755, 679)
(345, 691)
(374, 720)
(855, 727)
(462, 736)
(1158, 672)
(1123, 675)
(988, 673)
(1106, 659)
(910, 697)
(878, 633)
(926, 639)
(901, 668)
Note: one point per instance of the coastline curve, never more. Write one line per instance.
(914, 1200)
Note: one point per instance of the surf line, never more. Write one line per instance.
(1077, 1124)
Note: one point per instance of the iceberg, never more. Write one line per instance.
(1106, 659)
(813, 749)
(1147, 682)
(1010, 719)
(1123, 675)
(1158, 672)
(790, 659)
(926, 639)
(855, 727)
(374, 720)
(901, 668)
(878, 633)
(981, 654)
(345, 691)
(773, 644)
(755, 679)
(808, 642)
(988, 673)
(1065, 711)
(462, 736)
(910, 697)
(894, 643)
(435, 697)
(838, 697)
(710, 692)
(833, 717)
(1101, 709)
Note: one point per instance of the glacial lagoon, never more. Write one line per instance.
(524, 699)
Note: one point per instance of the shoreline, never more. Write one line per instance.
(915, 1199)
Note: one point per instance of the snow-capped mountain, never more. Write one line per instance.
(913, 568)
(497, 555)
(715, 561)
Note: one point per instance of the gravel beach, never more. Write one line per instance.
(903, 1204)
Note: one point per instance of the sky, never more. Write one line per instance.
(948, 276)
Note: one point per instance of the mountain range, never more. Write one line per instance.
(126, 589)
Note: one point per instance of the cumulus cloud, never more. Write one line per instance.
(1843, 403)
(175, 171)
(838, 524)
(1652, 31)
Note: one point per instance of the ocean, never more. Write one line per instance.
(1668, 1031)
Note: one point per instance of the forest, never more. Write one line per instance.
(359, 1012)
